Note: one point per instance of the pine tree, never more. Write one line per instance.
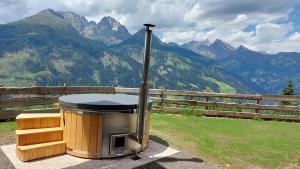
(288, 90)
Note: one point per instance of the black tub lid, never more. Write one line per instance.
(100, 102)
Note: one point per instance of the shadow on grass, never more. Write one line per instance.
(159, 140)
(7, 120)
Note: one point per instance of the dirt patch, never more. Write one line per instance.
(8, 138)
(295, 164)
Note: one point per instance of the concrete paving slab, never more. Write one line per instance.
(154, 152)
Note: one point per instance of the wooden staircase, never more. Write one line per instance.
(39, 136)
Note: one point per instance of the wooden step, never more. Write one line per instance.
(36, 136)
(36, 151)
(37, 120)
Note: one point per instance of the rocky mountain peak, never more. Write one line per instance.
(47, 11)
(220, 48)
(108, 30)
(222, 44)
(48, 17)
(111, 30)
(138, 39)
(205, 42)
(77, 21)
(110, 23)
(197, 44)
(242, 47)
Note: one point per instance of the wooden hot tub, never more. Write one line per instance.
(101, 125)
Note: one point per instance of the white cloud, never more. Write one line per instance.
(271, 32)
(183, 20)
(295, 37)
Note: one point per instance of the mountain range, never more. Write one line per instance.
(269, 72)
(56, 48)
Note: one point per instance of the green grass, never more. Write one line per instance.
(234, 142)
(238, 143)
(223, 87)
(7, 127)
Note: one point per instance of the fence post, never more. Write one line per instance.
(206, 100)
(1, 97)
(257, 102)
(114, 89)
(193, 98)
(162, 96)
(65, 89)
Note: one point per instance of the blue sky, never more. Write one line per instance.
(263, 25)
(295, 17)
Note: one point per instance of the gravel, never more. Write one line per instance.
(4, 161)
(9, 138)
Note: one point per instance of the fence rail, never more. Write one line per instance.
(16, 100)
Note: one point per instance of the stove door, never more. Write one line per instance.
(118, 144)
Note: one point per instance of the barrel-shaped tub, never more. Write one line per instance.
(102, 125)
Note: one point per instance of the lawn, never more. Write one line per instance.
(234, 142)
(222, 141)
(7, 128)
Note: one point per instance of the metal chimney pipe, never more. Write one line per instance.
(143, 97)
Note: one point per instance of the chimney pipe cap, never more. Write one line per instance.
(148, 26)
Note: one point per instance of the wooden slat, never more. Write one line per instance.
(34, 123)
(206, 94)
(62, 148)
(127, 90)
(28, 147)
(49, 150)
(232, 105)
(189, 93)
(28, 123)
(29, 140)
(21, 140)
(29, 101)
(85, 133)
(36, 136)
(68, 124)
(44, 90)
(78, 137)
(232, 96)
(61, 113)
(231, 114)
(38, 130)
(11, 114)
(90, 89)
(212, 95)
(72, 131)
(99, 137)
(56, 149)
(94, 119)
(38, 115)
(136, 91)
(53, 122)
(20, 124)
(281, 98)
(41, 152)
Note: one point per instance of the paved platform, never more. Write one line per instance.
(155, 152)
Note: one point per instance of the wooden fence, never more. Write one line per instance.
(15, 100)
